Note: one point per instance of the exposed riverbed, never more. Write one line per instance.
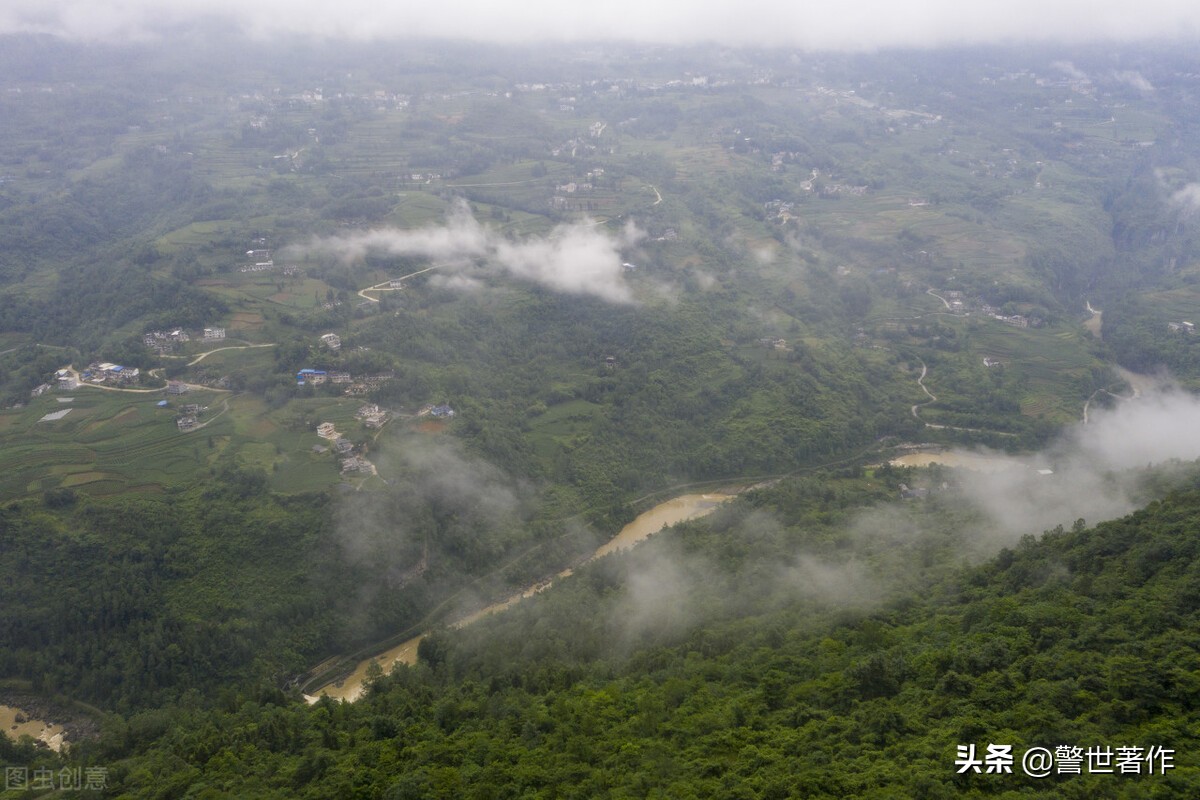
(980, 462)
(679, 509)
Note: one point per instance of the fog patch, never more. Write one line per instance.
(444, 513)
(764, 255)
(1188, 198)
(457, 283)
(1070, 69)
(1094, 472)
(1136, 80)
(856, 25)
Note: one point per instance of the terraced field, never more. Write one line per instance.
(1055, 365)
(114, 442)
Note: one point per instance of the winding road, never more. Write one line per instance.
(208, 353)
(386, 286)
(931, 293)
(933, 399)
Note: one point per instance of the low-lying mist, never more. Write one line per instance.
(577, 258)
(818, 545)
(743, 560)
(445, 515)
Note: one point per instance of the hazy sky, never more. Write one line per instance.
(855, 24)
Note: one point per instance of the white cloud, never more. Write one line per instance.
(1188, 198)
(1135, 79)
(578, 258)
(1094, 467)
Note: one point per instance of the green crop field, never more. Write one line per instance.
(114, 441)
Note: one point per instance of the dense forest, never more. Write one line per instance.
(724, 675)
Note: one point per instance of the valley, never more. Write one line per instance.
(606, 420)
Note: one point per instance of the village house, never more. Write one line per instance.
(331, 340)
(340, 377)
(326, 430)
(1016, 320)
(108, 372)
(214, 333)
(375, 381)
(186, 423)
(176, 387)
(442, 412)
(312, 377)
(165, 341)
(343, 446)
(372, 416)
(357, 464)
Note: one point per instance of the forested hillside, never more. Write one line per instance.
(634, 680)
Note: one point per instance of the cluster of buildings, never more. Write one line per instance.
(166, 341)
(106, 372)
(344, 449)
(331, 341)
(1016, 320)
(960, 304)
(356, 386)
(189, 417)
(269, 266)
(442, 411)
(1181, 327)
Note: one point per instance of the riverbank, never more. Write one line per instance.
(56, 725)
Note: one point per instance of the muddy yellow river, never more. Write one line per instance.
(52, 735)
(679, 509)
